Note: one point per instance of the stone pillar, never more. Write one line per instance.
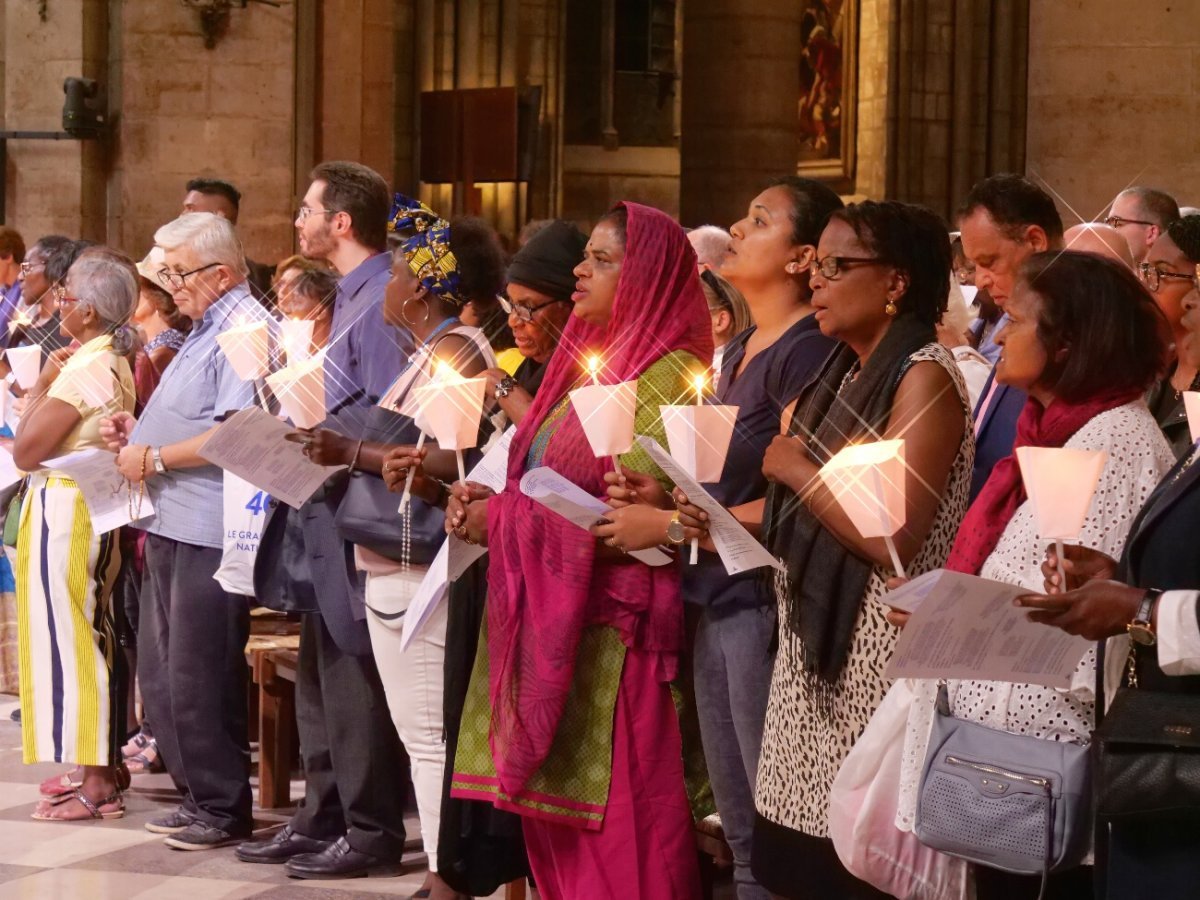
(356, 84)
(53, 186)
(741, 84)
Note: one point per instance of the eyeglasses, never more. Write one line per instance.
(521, 311)
(1152, 277)
(60, 296)
(27, 267)
(305, 211)
(176, 280)
(1117, 222)
(831, 266)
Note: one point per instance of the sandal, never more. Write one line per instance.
(146, 760)
(60, 785)
(89, 810)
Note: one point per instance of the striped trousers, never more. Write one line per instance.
(66, 633)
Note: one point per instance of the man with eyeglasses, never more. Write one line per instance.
(192, 632)
(12, 258)
(1004, 220)
(1142, 214)
(350, 821)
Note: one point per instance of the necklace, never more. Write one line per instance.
(135, 513)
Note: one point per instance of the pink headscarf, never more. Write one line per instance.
(545, 584)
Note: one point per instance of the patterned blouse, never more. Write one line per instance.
(802, 750)
(171, 339)
(1138, 458)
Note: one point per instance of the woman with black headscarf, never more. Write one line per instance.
(538, 303)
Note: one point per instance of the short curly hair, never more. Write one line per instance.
(914, 240)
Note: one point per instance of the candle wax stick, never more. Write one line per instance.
(408, 480)
(896, 564)
(695, 558)
(1062, 572)
(616, 464)
(462, 470)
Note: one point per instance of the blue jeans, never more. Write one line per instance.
(732, 663)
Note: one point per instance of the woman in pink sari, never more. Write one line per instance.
(570, 721)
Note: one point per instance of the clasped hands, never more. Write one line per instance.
(641, 510)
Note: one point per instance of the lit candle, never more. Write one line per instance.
(699, 381)
(449, 407)
(593, 365)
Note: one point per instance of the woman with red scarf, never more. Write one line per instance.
(569, 720)
(1084, 340)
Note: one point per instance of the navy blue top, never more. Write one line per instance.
(761, 391)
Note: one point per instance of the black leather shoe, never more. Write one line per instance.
(280, 848)
(339, 860)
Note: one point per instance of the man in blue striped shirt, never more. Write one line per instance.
(192, 633)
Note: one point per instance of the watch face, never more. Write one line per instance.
(1141, 634)
(675, 532)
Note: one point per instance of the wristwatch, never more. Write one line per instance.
(160, 468)
(505, 387)
(675, 532)
(1141, 629)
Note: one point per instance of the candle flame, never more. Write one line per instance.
(443, 371)
(593, 365)
(700, 381)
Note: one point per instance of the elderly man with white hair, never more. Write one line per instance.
(192, 634)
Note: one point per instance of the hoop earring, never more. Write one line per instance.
(891, 309)
(404, 312)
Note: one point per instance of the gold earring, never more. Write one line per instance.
(891, 309)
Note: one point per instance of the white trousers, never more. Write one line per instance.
(413, 682)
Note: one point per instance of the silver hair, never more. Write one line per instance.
(107, 286)
(210, 237)
(711, 243)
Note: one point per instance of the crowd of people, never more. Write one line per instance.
(568, 712)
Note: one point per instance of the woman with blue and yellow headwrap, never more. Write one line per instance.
(437, 267)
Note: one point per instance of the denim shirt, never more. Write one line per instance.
(364, 354)
(198, 386)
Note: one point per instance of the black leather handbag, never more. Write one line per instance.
(1146, 755)
(368, 514)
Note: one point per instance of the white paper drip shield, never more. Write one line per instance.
(247, 347)
(450, 410)
(1060, 483)
(300, 389)
(868, 482)
(1191, 403)
(96, 379)
(26, 365)
(698, 438)
(606, 412)
(296, 337)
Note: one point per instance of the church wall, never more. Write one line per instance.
(1113, 100)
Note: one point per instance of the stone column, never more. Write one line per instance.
(741, 84)
(53, 186)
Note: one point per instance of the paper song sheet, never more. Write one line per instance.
(251, 444)
(105, 491)
(576, 505)
(738, 549)
(967, 627)
(455, 556)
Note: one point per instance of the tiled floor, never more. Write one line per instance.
(120, 859)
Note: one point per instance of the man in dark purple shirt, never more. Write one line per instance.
(351, 819)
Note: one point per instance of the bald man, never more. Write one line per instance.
(1142, 214)
(1098, 238)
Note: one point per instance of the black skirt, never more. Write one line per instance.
(802, 867)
